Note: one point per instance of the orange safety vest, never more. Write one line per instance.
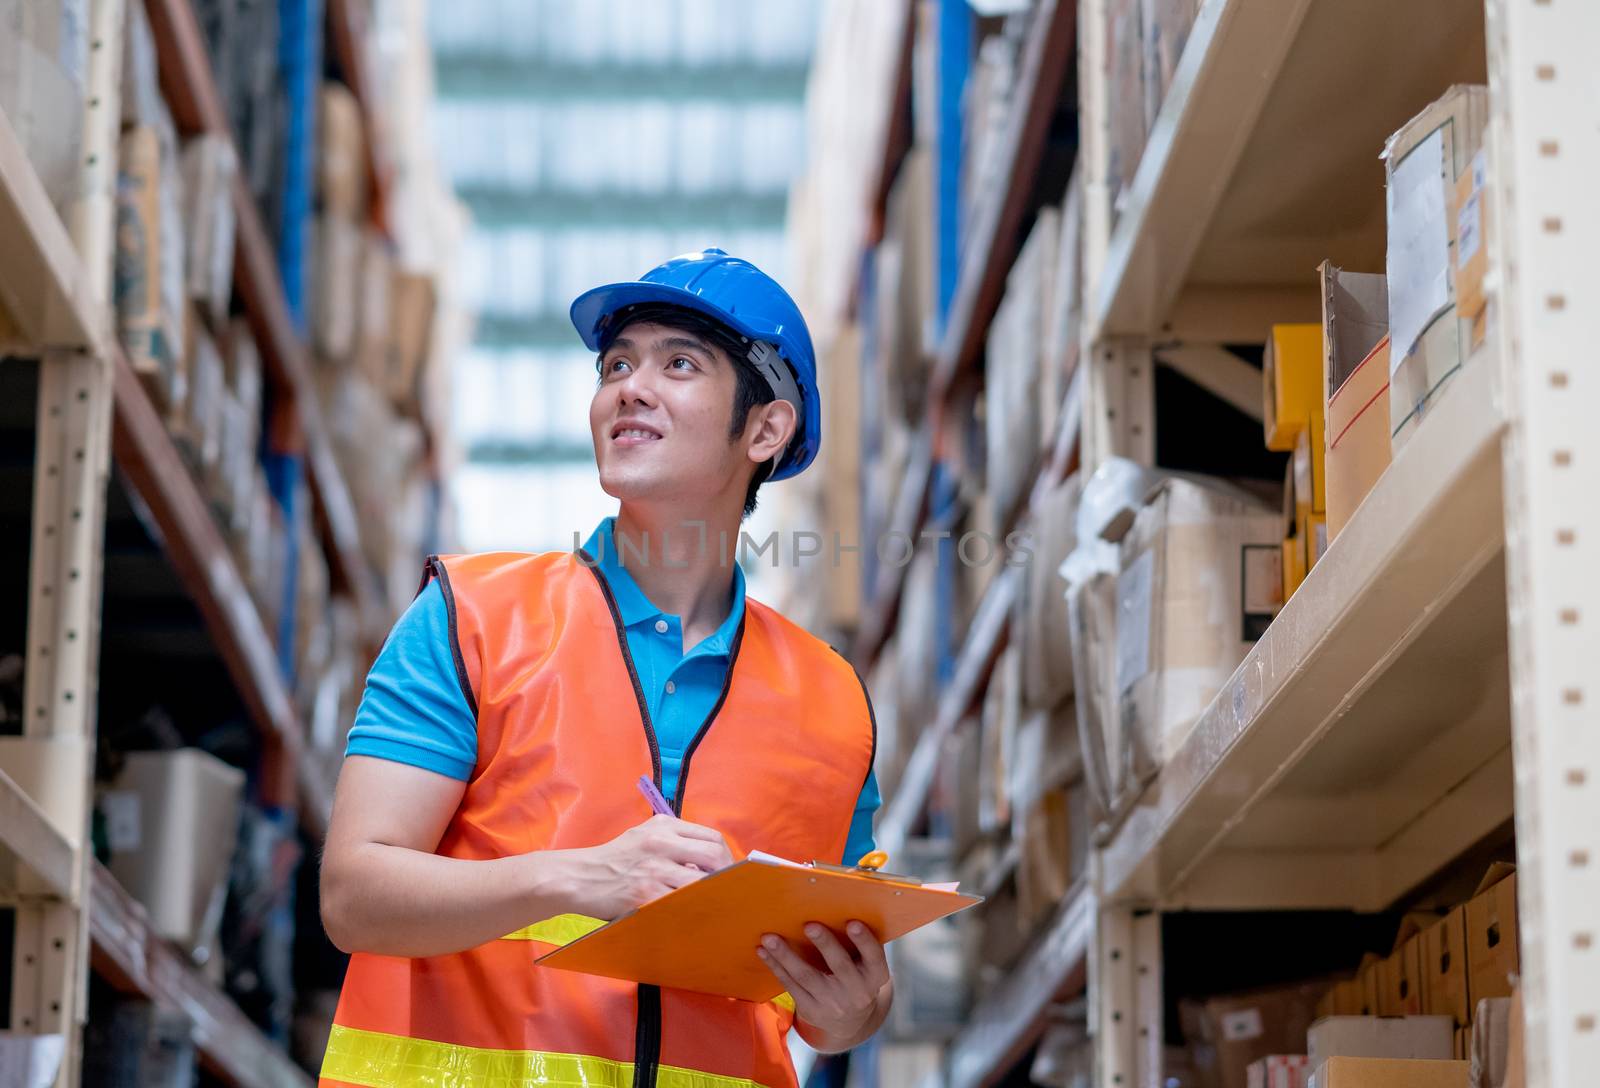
(563, 735)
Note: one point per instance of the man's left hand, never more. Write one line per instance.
(846, 1002)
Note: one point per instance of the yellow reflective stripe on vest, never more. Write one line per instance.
(562, 929)
(377, 1060)
(784, 1002)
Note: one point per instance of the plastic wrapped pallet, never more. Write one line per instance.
(336, 297)
(1013, 360)
(1106, 511)
(1200, 579)
(341, 163)
(1042, 616)
(44, 57)
(209, 167)
(1431, 339)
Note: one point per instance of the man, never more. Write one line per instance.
(487, 810)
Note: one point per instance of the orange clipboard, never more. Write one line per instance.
(703, 936)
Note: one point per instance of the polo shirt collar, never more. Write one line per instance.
(635, 608)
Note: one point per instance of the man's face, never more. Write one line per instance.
(660, 418)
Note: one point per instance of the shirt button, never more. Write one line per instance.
(671, 687)
(661, 627)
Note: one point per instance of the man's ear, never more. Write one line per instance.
(774, 425)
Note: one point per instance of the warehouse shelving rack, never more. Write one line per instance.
(54, 305)
(1442, 641)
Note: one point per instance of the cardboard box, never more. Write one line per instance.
(1201, 578)
(1380, 1037)
(1390, 1073)
(149, 327)
(1042, 621)
(1422, 164)
(1444, 968)
(1291, 374)
(1011, 394)
(44, 58)
(1229, 1033)
(198, 429)
(1491, 922)
(341, 159)
(336, 296)
(209, 167)
(1400, 981)
(171, 819)
(375, 331)
(1279, 1071)
(414, 300)
(1355, 367)
(1371, 967)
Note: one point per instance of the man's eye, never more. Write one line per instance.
(685, 360)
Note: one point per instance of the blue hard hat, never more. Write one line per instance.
(748, 301)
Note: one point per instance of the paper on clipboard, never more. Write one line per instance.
(703, 936)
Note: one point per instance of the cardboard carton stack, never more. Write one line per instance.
(1145, 41)
(1355, 383)
(1436, 980)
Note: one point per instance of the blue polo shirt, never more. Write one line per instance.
(413, 710)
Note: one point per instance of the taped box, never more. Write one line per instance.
(1430, 336)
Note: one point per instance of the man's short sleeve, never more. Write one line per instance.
(413, 710)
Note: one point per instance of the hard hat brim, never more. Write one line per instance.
(591, 309)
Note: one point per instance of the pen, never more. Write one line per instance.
(658, 803)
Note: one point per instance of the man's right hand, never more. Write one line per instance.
(643, 863)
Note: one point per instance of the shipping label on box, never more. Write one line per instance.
(1280, 1071)
(1429, 337)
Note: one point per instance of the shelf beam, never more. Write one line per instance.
(194, 544)
(994, 237)
(127, 954)
(985, 639)
(46, 294)
(1005, 1024)
(1395, 617)
(190, 88)
(30, 843)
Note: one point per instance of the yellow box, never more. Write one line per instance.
(1292, 381)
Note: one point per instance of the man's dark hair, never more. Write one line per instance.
(750, 390)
